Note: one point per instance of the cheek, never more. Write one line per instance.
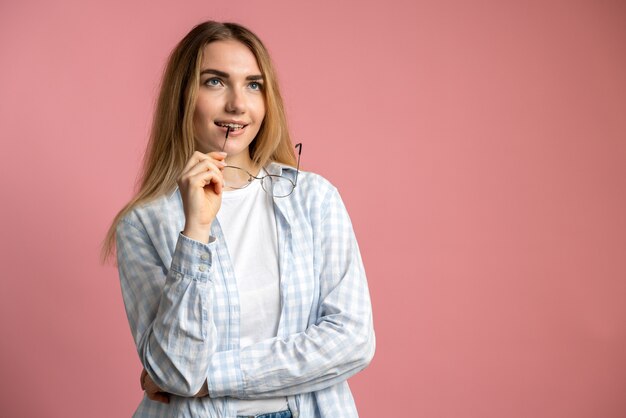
(198, 121)
(202, 120)
(198, 112)
(196, 115)
(260, 110)
(204, 109)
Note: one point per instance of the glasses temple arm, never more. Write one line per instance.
(299, 146)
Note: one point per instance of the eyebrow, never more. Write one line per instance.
(254, 77)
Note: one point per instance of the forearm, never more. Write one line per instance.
(170, 316)
(176, 348)
(322, 356)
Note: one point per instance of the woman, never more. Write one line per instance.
(241, 276)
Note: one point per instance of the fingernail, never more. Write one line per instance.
(223, 153)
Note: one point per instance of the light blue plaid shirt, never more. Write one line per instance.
(183, 308)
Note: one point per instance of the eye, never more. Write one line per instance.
(256, 86)
(213, 82)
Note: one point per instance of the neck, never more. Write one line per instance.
(242, 160)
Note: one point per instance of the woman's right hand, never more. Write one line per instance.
(201, 184)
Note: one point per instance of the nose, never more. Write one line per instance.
(235, 102)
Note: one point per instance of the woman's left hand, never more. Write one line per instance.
(153, 392)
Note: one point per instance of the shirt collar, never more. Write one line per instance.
(277, 169)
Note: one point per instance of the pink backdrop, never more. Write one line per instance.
(480, 148)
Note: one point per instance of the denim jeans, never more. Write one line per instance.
(281, 414)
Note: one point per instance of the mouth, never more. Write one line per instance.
(233, 126)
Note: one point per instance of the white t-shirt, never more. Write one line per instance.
(249, 226)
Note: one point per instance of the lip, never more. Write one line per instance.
(232, 133)
(235, 122)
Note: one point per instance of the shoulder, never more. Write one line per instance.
(307, 181)
(313, 193)
(313, 184)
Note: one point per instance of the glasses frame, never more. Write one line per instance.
(251, 178)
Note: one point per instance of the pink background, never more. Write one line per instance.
(480, 148)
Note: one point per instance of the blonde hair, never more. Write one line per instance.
(172, 141)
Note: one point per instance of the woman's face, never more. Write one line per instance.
(230, 94)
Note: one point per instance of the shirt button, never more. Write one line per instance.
(204, 256)
(202, 267)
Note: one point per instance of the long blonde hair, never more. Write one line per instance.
(172, 141)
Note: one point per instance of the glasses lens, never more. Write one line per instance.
(277, 186)
(236, 178)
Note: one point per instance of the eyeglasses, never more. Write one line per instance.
(276, 186)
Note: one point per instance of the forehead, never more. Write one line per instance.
(230, 56)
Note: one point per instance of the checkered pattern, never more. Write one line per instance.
(183, 308)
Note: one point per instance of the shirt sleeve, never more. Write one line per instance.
(337, 346)
(167, 307)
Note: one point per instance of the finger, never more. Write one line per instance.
(218, 183)
(150, 386)
(163, 397)
(195, 158)
(217, 155)
(158, 395)
(142, 378)
(219, 186)
(206, 165)
(207, 178)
